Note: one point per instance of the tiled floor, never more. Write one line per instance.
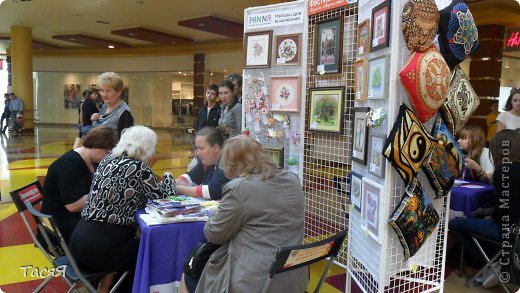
(22, 159)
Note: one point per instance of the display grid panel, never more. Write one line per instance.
(379, 266)
(327, 156)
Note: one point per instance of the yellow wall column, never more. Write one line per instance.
(22, 68)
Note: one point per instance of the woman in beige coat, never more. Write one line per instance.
(262, 209)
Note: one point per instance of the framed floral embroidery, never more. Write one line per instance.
(287, 49)
(258, 49)
(284, 95)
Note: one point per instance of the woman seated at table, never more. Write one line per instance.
(262, 209)
(105, 237)
(68, 179)
(505, 151)
(206, 178)
(477, 165)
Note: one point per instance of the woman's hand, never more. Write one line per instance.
(471, 164)
(94, 117)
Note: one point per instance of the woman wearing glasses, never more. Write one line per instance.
(510, 118)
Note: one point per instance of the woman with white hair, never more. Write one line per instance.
(105, 237)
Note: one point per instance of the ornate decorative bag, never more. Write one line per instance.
(414, 220)
(420, 23)
(461, 101)
(458, 34)
(426, 79)
(407, 145)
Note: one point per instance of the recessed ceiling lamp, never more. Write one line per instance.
(111, 46)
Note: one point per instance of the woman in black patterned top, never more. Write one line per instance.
(105, 237)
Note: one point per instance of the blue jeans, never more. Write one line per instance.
(462, 227)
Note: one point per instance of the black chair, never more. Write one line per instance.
(32, 193)
(66, 264)
(284, 259)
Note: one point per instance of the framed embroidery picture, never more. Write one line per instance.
(287, 49)
(377, 77)
(360, 134)
(276, 154)
(380, 36)
(329, 46)
(326, 109)
(355, 190)
(376, 160)
(363, 37)
(284, 94)
(371, 197)
(258, 49)
(360, 83)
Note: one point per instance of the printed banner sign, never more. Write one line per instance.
(274, 18)
(317, 6)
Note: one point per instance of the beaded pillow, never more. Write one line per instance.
(407, 145)
(414, 220)
(425, 78)
(439, 170)
(441, 132)
(419, 23)
(458, 34)
(461, 101)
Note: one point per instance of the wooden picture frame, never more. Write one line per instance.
(370, 207)
(380, 33)
(287, 50)
(356, 189)
(363, 37)
(376, 160)
(329, 46)
(360, 135)
(377, 77)
(360, 80)
(326, 109)
(277, 154)
(258, 49)
(284, 93)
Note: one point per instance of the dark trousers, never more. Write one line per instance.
(5, 116)
(462, 227)
(106, 247)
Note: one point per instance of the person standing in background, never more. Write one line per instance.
(209, 114)
(115, 112)
(6, 113)
(491, 121)
(230, 123)
(510, 118)
(16, 107)
(87, 108)
(236, 80)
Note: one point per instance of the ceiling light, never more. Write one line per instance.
(131, 34)
(72, 39)
(111, 46)
(201, 24)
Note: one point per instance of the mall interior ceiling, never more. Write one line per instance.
(75, 25)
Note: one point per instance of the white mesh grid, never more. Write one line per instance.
(380, 266)
(283, 131)
(327, 157)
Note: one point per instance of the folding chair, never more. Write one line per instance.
(477, 239)
(32, 193)
(289, 258)
(71, 271)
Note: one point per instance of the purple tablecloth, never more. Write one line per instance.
(465, 200)
(162, 252)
